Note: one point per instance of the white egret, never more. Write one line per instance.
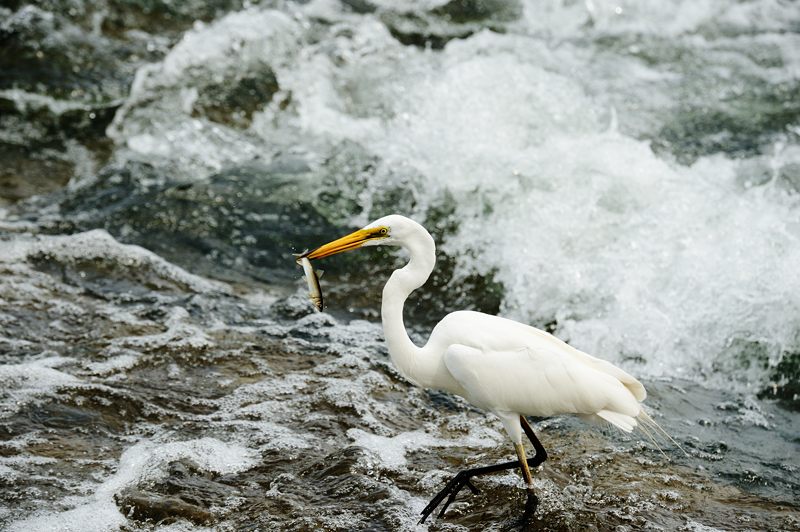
(505, 367)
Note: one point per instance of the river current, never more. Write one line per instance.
(625, 175)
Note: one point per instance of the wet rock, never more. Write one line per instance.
(41, 51)
(785, 384)
(185, 492)
(481, 11)
(24, 174)
(67, 65)
(46, 141)
(292, 307)
(59, 90)
(360, 6)
(349, 170)
(161, 16)
(744, 122)
(233, 101)
(456, 19)
(245, 220)
(789, 177)
(100, 264)
(157, 508)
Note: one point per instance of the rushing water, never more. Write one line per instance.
(623, 174)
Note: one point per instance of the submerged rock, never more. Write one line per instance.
(455, 19)
(157, 508)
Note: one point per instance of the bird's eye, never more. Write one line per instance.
(384, 231)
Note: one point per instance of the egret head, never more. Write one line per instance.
(390, 230)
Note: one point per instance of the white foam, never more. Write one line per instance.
(8, 474)
(121, 362)
(533, 134)
(243, 37)
(652, 17)
(95, 245)
(634, 255)
(26, 102)
(179, 333)
(182, 526)
(156, 120)
(145, 461)
(14, 342)
(14, 250)
(695, 526)
(270, 436)
(390, 452)
(22, 383)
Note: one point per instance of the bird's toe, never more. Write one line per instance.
(531, 504)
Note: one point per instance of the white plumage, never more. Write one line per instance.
(502, 366)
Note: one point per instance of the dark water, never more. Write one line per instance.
(625, 175)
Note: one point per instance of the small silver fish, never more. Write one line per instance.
(312, 278)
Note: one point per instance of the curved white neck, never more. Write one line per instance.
(404, 353)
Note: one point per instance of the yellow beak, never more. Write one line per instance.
(354, 240)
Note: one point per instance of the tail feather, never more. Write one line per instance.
(621, 421)
(646, 420)
(646, 424)
(646, 432)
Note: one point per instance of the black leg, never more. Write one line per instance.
(464, 478)
(541, 454)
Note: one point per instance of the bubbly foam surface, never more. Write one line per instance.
(141, 463)
(624, 174)
(630, 253)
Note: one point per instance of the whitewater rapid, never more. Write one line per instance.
(622, 174)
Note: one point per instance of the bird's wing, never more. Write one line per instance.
(630, 382)
(495, 334)
(537, 382)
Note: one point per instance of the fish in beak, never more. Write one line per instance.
(312, 278)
